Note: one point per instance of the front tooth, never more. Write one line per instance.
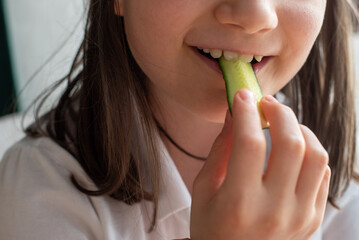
(258, 58)
(246, 58)
(228, 55)
(216, 53)
(206, 50)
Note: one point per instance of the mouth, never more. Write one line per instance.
(215, 54)
(212, 56)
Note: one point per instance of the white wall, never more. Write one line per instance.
(36, 29)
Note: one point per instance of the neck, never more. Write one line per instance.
(177, 146)
(191, 132)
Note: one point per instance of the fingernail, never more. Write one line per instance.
(269, 98)
(246, 95)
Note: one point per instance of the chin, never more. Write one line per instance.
(215, 113)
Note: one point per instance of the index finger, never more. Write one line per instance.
(246, 162)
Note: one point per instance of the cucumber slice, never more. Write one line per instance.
(237, 75)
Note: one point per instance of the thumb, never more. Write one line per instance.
(214, 170)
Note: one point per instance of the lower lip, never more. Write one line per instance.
(209, 62)
(214, 64)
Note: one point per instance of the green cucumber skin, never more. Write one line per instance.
(237, 75)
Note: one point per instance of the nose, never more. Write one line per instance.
(252, 16)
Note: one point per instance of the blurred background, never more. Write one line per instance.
(38, 40)
(34, 34)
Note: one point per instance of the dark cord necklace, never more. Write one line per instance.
(176, 145)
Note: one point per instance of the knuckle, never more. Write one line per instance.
(236, 211)
(305, 129)
(252, 142)
(317, 221)
(275, 224)
(302, 221)
(306, 221)
(285, 110)
(295, 143)
(323, 161)
(314, 224)
(321, 158)
(328, 173)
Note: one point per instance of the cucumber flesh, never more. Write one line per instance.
(237, 75)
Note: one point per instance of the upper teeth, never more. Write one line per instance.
(228, 55)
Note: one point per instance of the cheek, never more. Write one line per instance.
(300, 25)
(140, 26)
(154, 28)
(307, 23)
(305, 20)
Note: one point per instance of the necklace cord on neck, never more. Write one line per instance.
(176, 145)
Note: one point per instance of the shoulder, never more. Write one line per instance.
(37, 197)
(33, 157)
(342, 223)
(41, 145)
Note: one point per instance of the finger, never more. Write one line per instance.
(288, 146)
(246, 163)
(322, 196)
(320, 203)
(313, 169)
(212, 174)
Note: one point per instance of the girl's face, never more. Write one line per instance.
(165, 37)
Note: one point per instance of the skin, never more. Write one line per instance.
(230, 193)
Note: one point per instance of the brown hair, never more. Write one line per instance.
(322, 94)
(104, 118)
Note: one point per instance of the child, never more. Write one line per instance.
(137, 147)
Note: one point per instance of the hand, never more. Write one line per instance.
(234, 199)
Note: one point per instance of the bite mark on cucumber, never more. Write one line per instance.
(237, 75)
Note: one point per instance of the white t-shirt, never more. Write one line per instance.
(38, 201)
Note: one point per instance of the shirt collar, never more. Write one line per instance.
(174, 195)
